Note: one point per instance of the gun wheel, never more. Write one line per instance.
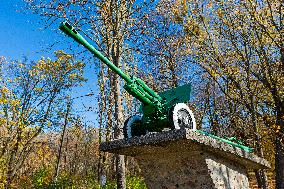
(132, 126)
(182, 117)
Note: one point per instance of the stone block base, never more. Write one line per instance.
(187, 159)
(200, 170)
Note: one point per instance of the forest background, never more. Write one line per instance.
(231, 51)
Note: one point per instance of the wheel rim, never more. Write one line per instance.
(182, 117)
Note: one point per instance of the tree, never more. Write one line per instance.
(161, 47)
(30, 97)
(240, 44)
(111, 23)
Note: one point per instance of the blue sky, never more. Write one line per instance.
(20, 35)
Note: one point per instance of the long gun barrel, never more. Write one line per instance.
(70, 31)
(134, 86)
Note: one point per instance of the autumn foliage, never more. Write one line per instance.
(231, 51)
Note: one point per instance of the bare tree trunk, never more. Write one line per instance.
(102, 107)
(120, 163)
(120, 171)
(279, 155)
(99, 160)
(61, 141)
(11, 162)
(260, 174)
(279, 163)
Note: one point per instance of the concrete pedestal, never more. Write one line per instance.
(187, 159)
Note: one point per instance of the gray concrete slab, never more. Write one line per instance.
(182, 141)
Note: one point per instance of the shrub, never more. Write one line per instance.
(135, 182)
(42, 179)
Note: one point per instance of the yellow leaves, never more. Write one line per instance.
(23, 127)
(59, 7)
(39, 89)
(273, 126)
(105, 8)
(73, 75)
(18, 125)
(102, 86)
(7, 97)
(191, 27)
(21, 65)
(62, 70)
(179, 8)
(33, 73)
(13, 123)
(56, 63)
(220, 13)
(15, 102)
(233, 70)
(46, 65)
(4, 90)
(40, 64)
(3, 170)
(43, 66)
(195, 11)
(40, 152)
(209, 5)
(276, 128)
(255, 67)
(214, 73)
(3, 121)
(3, 100)
(79, 65)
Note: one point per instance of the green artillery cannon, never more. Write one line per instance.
(159, 111)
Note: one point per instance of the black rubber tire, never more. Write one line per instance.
(133, 126)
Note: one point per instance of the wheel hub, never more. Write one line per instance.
(184, 118)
